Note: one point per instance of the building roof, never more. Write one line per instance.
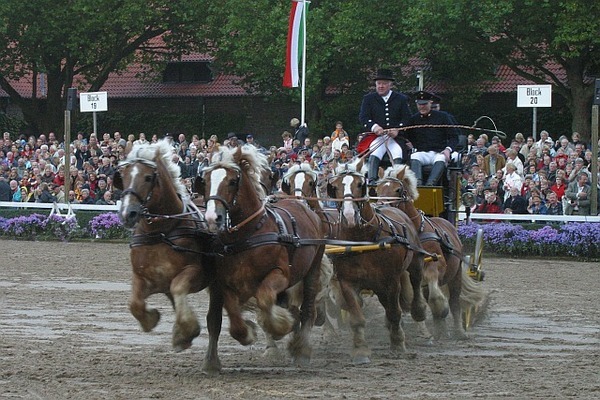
(129, 84)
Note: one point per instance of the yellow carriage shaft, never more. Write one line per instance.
(333, 249)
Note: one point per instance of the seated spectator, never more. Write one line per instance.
(15, 191)
(58, 192)
(512, 157)
(578, 196)
(493, 161)
(106, 199)
(494, 185)
(579, 166)
(553, 205)
(44, 195)
(515, 203)
(491, 205)
(511, 179)
(85, 197)
(73, 197)
(536, 205)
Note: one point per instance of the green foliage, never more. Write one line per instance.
(89, 39)
(465, 40)
(11, 123)
(347, 41)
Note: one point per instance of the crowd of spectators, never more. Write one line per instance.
(525, 177)
(546, 176)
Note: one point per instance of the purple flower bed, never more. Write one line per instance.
(107, 226)
(580, 240)
(38, 226)
(575, 239)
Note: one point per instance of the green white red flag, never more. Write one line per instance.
(295, 43)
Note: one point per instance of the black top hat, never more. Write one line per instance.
(423, 97)
(384, 75)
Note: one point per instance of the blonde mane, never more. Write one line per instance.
(251, 160)
(407, 176)
(294, 169)
(146, 153)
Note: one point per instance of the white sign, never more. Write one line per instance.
(93, 101)
(534, 96)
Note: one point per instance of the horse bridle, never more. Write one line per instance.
(403, 193)
(131, 191)
(224, 202)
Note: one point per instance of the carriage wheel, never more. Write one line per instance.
(475, 271)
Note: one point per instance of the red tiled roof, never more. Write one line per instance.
(128, 85)
(507, 80)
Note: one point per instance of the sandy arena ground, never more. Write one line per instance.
(66, 333)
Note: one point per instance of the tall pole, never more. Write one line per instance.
(534, 128)
(594, 192)
(71, 101)
(303, 101)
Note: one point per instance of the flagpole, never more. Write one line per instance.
(303, 99)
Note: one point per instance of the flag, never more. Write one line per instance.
(295, 43)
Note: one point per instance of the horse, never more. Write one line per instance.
(168, 246)
(267, 250)
(399, 184)
(381, 270)
(301, 181)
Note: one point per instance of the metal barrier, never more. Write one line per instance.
(528, 217)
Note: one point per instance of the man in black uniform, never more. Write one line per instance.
(462, 139)
(380, 110)
(432, 145)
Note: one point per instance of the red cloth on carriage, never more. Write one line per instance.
(364, 144)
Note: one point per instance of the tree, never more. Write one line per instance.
(465, 40)
(347, 41)
(80, 42)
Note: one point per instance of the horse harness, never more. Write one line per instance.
(197, 232)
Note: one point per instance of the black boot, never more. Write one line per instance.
(436, 173)
(372, 174)
(417, 168)
(398, 161)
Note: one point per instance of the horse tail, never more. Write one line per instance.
(324, 279)
(472, 292)
(406, 292)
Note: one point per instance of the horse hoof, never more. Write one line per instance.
(273, 353)
(360, 360)
(179, 347)
(151, 320)
(212, 370)
(301, 361)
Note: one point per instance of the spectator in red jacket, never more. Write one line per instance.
(491, 204)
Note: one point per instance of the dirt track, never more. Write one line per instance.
(66, 333)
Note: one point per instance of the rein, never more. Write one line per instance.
(237, 227)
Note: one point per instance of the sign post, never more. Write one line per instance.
(534, 96)
(93, 102)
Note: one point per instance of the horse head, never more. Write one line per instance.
(400, 182)
(150, 183)
(349, 189)
(230, 182)
(301, 181)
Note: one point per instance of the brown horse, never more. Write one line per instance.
(266, 250)
(381, 270)
(399, 184)
(301, 181)
(168, 244)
